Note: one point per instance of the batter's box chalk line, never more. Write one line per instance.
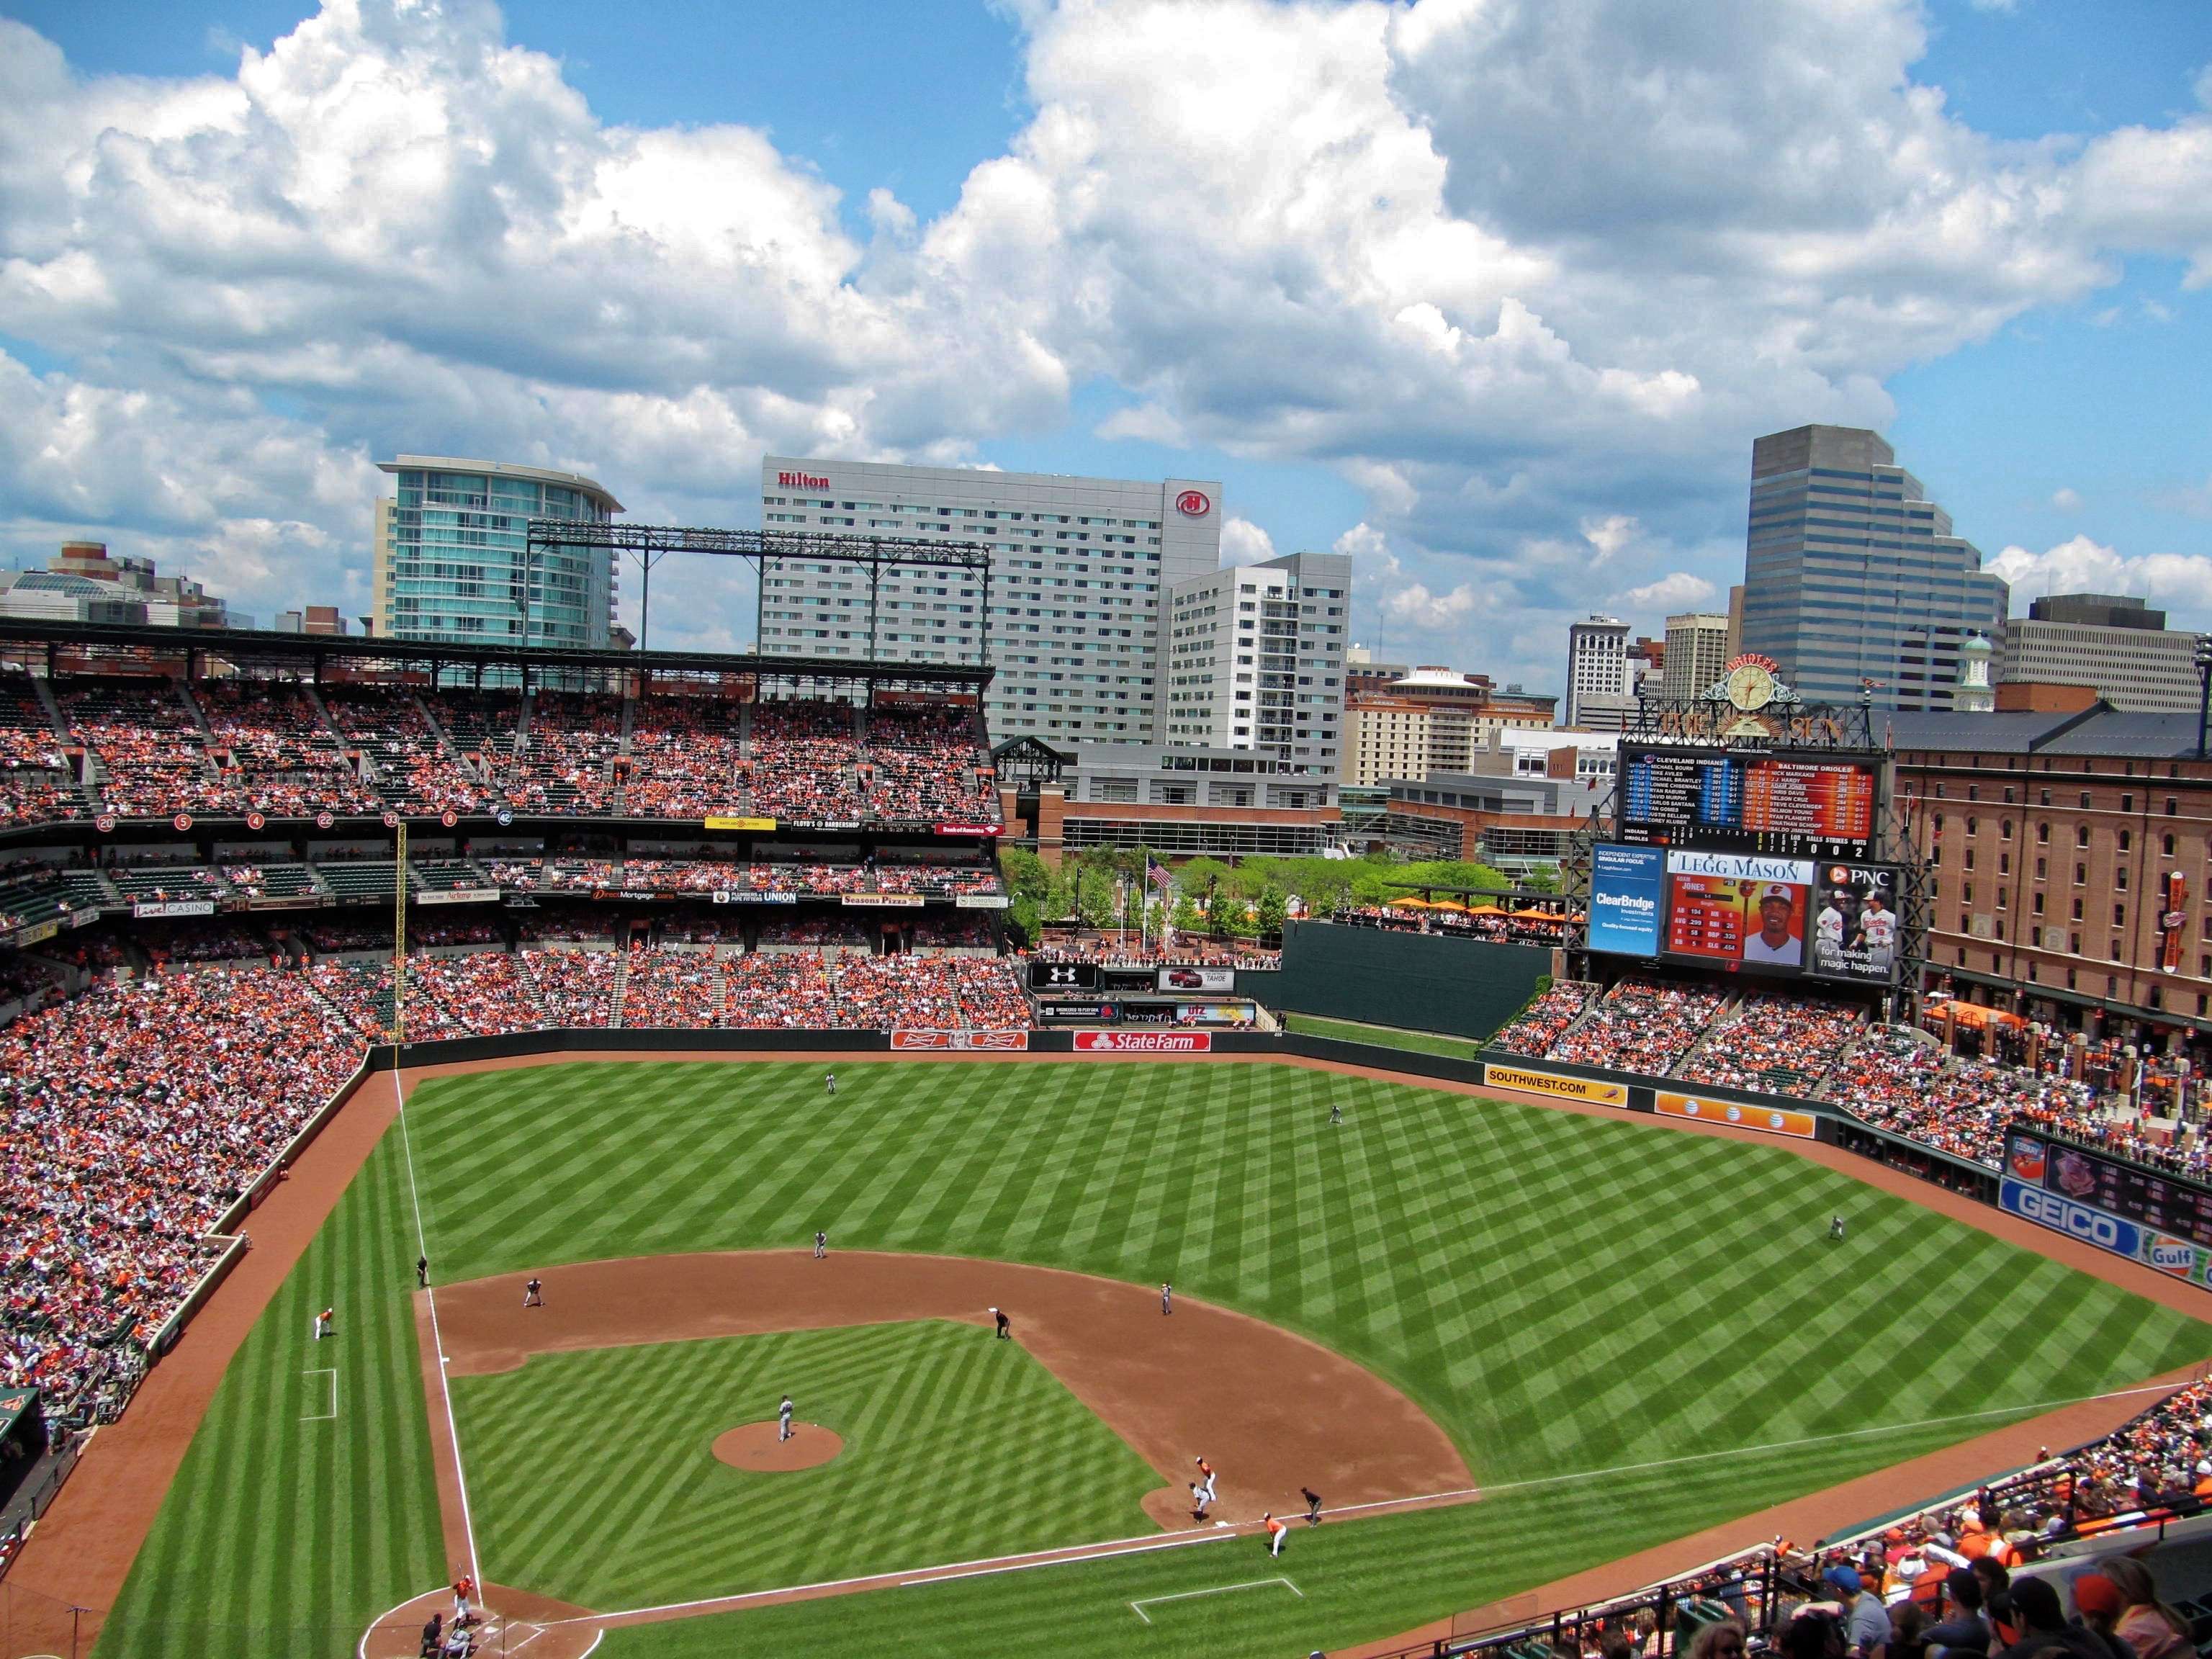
(323, 1417)
(1138, 1605)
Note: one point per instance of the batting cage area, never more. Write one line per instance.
(1501, 1343)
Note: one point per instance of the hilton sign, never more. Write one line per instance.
(800, 481)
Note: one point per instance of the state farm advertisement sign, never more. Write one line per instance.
(1143, 1043)
(998, 1042)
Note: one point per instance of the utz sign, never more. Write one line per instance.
(1143, 1043)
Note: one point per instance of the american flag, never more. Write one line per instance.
(1157, 873)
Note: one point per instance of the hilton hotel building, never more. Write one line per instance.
(1079, 571)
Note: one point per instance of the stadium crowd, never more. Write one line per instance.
(130, 1117)
(225, 746)
(1639, 1025)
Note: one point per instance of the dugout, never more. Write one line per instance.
(1423, 982)
(22, 1439)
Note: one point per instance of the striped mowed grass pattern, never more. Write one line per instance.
(1564, 1294)
(287, 1529)
(957, 1446)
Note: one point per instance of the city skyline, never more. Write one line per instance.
(1505, 353)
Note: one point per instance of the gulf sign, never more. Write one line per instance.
(1556, 1084)
(1143, 1043)
(1803, 1125)
(993, 1042)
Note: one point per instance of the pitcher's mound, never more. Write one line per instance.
(755, 1446)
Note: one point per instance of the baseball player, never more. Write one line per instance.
(323, 1324)
(422, 1273)
(464, 1587)
(532, 1295)
(1197, 1502)
(1313, 1505)
(1276, 1533)
(1336, 1112)
(1006, 1332)
(1836, 1228)
(1206, 1477)
(783, 1419)
(831, 1079)
(822, 1240)
(1167, 1297)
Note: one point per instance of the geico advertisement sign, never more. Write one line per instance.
(1144, 1043)
(2063, 1215)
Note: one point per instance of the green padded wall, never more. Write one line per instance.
(1422, 982)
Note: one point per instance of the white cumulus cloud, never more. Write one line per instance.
(2079, 565)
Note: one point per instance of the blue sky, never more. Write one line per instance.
(1455, 288)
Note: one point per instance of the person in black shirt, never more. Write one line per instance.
(1005, 1333)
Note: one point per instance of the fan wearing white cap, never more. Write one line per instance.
(1773, 942)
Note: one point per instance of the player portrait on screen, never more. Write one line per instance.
(1878, 934)
(1779, 938)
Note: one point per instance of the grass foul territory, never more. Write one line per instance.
(1581, 1303)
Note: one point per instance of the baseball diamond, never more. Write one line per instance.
(1612, 1332)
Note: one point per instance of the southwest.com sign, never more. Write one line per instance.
(2174, 1257)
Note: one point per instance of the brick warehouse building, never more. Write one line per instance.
(2054, 836)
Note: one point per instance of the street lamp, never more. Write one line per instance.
(2204, 683)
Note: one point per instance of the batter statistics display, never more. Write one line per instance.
(1759, 802)
(2135, 1195)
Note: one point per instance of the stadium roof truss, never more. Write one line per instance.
(96, 648)
(647, 545)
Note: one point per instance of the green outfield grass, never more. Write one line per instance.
(1631, 1334)
(930, 1414)
(1382, 1036)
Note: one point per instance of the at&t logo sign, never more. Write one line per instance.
(1194, 504)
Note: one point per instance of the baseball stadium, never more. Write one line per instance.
(568, 1152)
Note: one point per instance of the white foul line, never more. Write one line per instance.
(1067, 1560)
(1110, 1549)
(437, 1341)
(1138, 1606)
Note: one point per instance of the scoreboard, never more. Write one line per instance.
(2129, 1190)
(1797, 804)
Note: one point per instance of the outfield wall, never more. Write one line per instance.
(1419, 981)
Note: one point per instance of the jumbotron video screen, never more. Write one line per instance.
(1751, 862)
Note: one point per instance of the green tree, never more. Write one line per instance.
(1272, 914)
(1025, 874)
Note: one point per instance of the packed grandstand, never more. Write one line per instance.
(149, 747)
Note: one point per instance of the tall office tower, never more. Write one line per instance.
(1253, 658)
(1696, 652)
(1598, 683)
(452, 559)
(2117, 645)
(1078, 570)
(1853, 581)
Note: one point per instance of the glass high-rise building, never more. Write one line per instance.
(452, 559)
(1852, 580)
